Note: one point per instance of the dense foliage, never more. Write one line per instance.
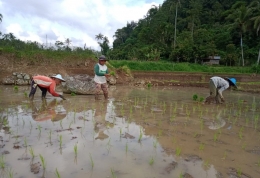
(192, 30)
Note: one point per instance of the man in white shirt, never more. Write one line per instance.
(217, 85)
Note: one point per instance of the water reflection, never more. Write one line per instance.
(48, 110)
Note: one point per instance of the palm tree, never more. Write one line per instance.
(255, 5)
(99, 36)
(194, 11)
(178, 2)
(240, 15)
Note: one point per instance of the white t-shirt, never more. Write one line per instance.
(101, 79)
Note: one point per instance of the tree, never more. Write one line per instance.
(103, 43)
(1, 17)
(240, 15)
(175, 21)
(99, 36)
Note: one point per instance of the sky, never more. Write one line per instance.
(48, 21)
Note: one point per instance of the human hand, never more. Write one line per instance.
(62, 97)
(107, 75)
(222, 100)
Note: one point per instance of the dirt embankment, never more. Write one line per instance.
(8, 65)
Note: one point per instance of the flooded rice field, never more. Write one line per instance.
(143, 133)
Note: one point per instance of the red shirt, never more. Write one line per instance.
(46, 82)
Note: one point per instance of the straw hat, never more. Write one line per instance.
(58, 76)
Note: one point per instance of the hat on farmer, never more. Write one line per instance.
(102, 58)
(233, 81)
(58, 76)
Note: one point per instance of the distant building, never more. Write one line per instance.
(212, 60)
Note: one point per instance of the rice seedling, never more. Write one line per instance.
(201, 99)
(202, 146)
(10, 173)
(239, 172)
(15, 88)
(108, 146)
(91, 160)
(57, 173)
(50, 133)
(25, 94)
(240, 133)
(244, 146)
(258, 163)
(43, 162)
(178, 151)
(151, 161)
(31, 152)
(140, 135)
(61, 123)
(225, 155)
(60, 140)
(181, 175)
(113, 173)
(2, 162)
(39, 128)
(215, 137)
(155, 143)
(120, 131)
(25, 142)
(76, 150)
(206, 164)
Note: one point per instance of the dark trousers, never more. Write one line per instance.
(34, 88)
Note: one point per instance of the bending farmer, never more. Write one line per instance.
(217, 85)
(46, 84)
(101, 73)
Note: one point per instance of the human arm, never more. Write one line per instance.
(52, 91)
(97, 71)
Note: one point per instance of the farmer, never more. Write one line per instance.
(101, 74)
(217, 85)
(46, 84)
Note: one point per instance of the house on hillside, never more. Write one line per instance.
(212, 60)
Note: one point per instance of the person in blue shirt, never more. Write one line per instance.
(101, 75)
(217, 85)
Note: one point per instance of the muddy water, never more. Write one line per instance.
(161, 132)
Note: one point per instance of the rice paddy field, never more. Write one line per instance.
(158, 132)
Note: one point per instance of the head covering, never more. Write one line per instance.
(102, 58)
(233, 81)
(58, 76)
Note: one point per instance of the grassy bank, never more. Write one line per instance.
(181, 67)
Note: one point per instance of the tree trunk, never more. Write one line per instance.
(174, 42)
(242, 51)
(258, 58)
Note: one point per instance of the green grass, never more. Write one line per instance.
(181, 67)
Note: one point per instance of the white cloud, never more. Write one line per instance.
(77, 20)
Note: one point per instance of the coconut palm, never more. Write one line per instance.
(177, 3)
(99, 36)
(240, 16)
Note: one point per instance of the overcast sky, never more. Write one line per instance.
(78, 20)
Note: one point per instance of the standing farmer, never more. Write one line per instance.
(101, 74)
(217, 85)
(46, 84)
